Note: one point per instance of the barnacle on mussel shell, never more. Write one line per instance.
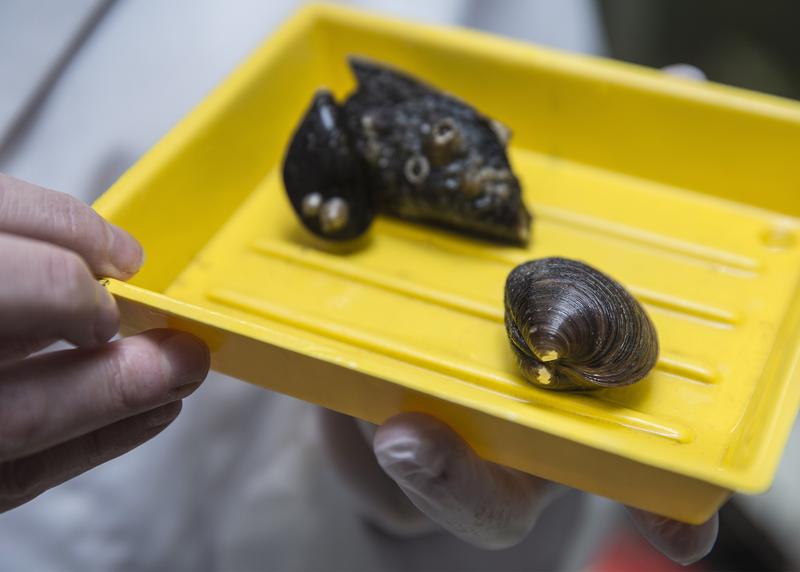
(403, 148)
(573, 327)
(324, 177)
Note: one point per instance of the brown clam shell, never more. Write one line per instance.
(572, 327)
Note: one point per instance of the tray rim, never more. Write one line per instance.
(473, 41)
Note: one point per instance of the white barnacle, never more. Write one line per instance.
(416, 169)
(310, 205)
(444, 132)
(488, 180)
(446, 141)
(333, 215)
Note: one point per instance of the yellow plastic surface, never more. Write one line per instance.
(687, 193)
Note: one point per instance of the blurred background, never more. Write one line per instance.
(87, 86)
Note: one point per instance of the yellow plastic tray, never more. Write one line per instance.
(687, 193)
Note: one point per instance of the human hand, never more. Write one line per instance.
(427, 477)
(492, 506)
(65, 412)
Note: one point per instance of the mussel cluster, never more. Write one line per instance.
(406, 149)
(403, 148)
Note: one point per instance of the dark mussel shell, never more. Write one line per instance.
(573, 327)
(323, 176)
(433, 158)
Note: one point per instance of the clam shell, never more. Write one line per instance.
(573, 327)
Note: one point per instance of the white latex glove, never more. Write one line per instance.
(485, 504)
(492, 506)
(435, 480)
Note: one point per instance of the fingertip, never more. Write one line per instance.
(411, 443)
(427, 459)
(686, 71)
(125, 252)
(406, 456)
(188, 358)
(107, 321)
(487, 505)
(700, 541)
(419, 424)
(682, 543)
(162, 416)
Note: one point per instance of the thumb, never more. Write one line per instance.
(485, 504)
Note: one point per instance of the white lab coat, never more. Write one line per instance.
(239, 481)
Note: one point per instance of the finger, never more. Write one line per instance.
(24, 479)
(482, 503)
(375, 496)
(51, 398)
(50, 293)
(50, 216)
(16, 349)
(686, 71)
(681, 542)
